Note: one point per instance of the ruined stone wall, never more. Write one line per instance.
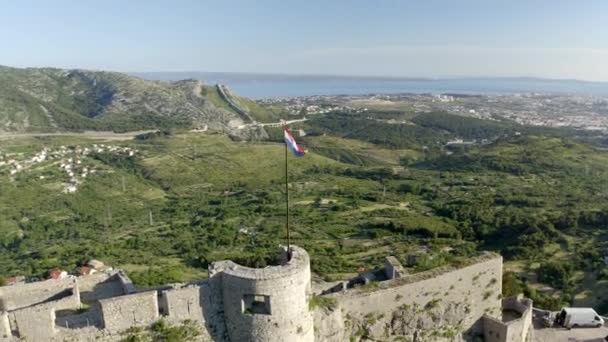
(19, 296)
(393, 268)
(123, 312)
(126, 283)
(5, 327)
(88, 283)
(35, 323)
(212, 302)
(436, 305)
(99, 286)
(329, 325)
(116, 282)
(521, 328)
(494, 330)
(269, 304)
(184, 303)
(517, 330)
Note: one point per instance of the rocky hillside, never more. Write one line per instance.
(46, 99)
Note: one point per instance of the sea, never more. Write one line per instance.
(271, 86)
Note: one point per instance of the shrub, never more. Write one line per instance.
(321, 302)
(163, 331)
(556, 274)
(432, 304)
(511, 286)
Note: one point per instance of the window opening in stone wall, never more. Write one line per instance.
(256, 304)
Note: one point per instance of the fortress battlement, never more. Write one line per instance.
(275, 303)
(298, 262)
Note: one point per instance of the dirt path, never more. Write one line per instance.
(85, 134)
(49, 116)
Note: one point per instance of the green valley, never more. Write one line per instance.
(185, 199)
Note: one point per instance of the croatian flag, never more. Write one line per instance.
(291, 143)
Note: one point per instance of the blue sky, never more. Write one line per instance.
(431, 38)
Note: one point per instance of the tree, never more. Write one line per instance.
(511, 286)
(556, 274)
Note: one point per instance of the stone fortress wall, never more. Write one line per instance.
(134, 310)
(269, 304)
(436, 305)
(30, 309)
(22, 296)
(38, 311)
(238, 303)
(5, 326)
(516, 328)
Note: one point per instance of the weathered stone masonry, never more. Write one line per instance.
(121, 313)
(438, 304)
(269, 304)
(238, 303)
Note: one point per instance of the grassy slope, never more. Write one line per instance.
(178, 177)
(54, 99)
(214, 97)
(257, 111)
(356, 152)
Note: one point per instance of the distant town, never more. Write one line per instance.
(575, 111)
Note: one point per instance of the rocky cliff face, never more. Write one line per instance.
(55, 99)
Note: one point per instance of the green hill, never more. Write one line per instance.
(41, 100)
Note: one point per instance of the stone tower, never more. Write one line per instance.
(267, 304)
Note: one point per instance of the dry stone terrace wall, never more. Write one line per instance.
(430, 306)
(121, 313)
(269, 304)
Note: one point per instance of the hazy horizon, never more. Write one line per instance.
(358, 76)
(313, 75)
(433, 39)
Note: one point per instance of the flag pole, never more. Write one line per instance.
(287, 206)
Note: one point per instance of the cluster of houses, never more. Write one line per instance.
(92, 267)
(70, 160)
